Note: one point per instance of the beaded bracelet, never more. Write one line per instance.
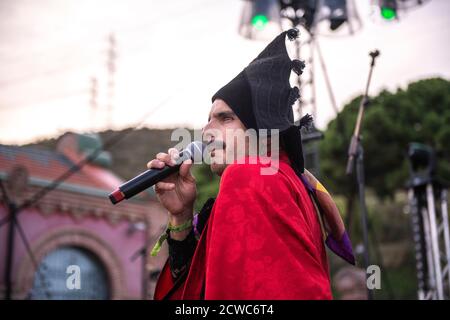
(163, 237)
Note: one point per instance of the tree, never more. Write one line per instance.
(421, 113)
(207, 184)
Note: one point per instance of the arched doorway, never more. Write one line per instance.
(50, 280)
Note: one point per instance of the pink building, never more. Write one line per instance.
(81, 243)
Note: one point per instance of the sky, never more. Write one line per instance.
(172, 56)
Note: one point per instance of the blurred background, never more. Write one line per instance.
(90, 91)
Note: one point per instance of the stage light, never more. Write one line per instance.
(388, 9)
(422, 159)
(337, 12)
(260, 19)
(300, 12)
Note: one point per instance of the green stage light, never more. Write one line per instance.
(388, 13)
(260, 21)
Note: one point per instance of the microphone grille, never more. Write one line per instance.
(196, 149)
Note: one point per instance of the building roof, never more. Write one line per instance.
(46, 166)
(85, 192)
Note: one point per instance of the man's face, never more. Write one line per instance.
(223, 128)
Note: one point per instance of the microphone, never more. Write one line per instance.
(374, 53)
(150, 177)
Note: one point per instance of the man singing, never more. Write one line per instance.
(263, 236)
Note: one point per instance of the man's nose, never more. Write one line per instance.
(207, 133)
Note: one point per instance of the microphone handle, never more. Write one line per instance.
(146, 179)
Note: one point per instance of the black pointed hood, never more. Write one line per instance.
(262, 97)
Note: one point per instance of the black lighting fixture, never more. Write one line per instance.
(422, 162)
(337, 12)
(300, 12)
(390, 10)
(260, 19)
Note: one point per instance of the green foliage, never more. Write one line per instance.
(207, 184)
(421, 113)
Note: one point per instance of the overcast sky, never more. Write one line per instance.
(173, 55)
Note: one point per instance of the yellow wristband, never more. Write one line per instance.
(180, 227)
(164, 236)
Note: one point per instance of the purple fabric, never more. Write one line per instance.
(342, 248)
(194, 223)
(306, 183)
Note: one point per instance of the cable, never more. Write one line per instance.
(33, 258)
(54, 97)
(76, 167)
(327, 79)
(74, 93)
(129, 29)
(38, 76)
(375, 244)
(25, 241)
(76, 65)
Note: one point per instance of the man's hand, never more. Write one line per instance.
(177, 192)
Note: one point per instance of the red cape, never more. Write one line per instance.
(262, 240)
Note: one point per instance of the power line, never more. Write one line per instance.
(327, 79)
(95, 38)
(33, 259)
(379, 256)
(62, 69)
(60, 96)
(13, 217)
(74, 93)
(76, 65)
(111, 66)
(76, 167)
